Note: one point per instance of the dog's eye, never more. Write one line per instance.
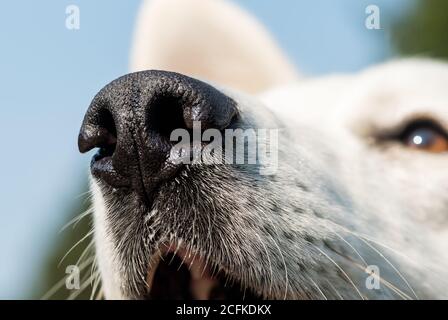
(425, 136)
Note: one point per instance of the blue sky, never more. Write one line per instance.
(49, 74)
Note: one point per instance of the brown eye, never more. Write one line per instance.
(426, 137)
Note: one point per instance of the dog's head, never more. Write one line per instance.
(343, 194)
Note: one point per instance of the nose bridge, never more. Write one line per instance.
(125, 103)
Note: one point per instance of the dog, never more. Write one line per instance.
(356, 207)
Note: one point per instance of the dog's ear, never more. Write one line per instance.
(209, 39)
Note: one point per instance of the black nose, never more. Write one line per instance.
(130, 121)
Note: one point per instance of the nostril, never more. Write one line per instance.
(165, 115)
(106, 121)
(99, 132)
(179, 106)
(106, 148)
(108, 130)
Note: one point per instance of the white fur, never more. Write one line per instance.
(398, 192)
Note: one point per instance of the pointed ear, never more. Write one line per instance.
(208, 39)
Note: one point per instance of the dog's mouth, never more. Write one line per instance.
(182, 275)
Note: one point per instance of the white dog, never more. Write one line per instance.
(357, 208)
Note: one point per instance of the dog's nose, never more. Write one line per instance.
(130, 120)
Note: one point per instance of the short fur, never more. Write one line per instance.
(342, 198)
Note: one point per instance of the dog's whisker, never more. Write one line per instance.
(392, 266)
(77, 219)
(388, 284)
(284, 266)
(334, 289)
(353, 248)
(341, 270)
(271, 273)
(90, 233)
(86, 250)
(85, 283)
(95, 284)
(317, 287)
